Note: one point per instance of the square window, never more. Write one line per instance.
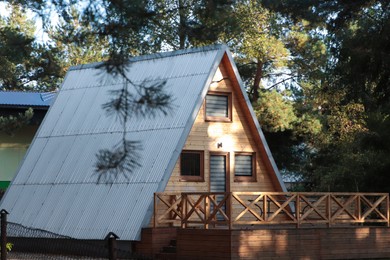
(191, 166)
(218, 106)
(245, 167)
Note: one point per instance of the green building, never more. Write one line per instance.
(14, 141)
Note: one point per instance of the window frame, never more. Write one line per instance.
(242, 178)
(193, 178)
(229, 118)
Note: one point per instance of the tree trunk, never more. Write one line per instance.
(182, 25)
(256, 83)
(210, 8)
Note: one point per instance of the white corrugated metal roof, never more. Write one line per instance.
(56, 187)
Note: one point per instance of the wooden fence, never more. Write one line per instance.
(239, 209)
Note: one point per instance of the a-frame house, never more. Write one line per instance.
(206, 163)
(212, 123)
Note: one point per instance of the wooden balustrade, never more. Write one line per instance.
(168, 209)
(237, 209)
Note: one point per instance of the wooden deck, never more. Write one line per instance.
(269, 225)
(268, 243)
(314, 243)
(234, 210)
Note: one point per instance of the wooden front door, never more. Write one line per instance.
(219, 165)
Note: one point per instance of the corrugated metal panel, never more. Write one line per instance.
(69, 215)
(71, 159)
(34, 99)
(56, 187)
(84, 113)
(34, 154)
(54, 115)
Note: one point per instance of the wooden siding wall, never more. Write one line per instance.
(235, 137)
(316, 243)
(153, 240)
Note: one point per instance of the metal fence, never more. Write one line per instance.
(20, 242)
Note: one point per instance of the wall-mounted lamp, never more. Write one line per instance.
(219, 145)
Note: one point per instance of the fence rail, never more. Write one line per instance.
(237, 209)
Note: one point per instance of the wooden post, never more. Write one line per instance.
(112, 249)
(3, 216)
(154, 210)
(206, 211)
(298, 209)
(388, 210)
(329, 210)
(359, 209)
(184, 218)
(230, 210)
(265, 210)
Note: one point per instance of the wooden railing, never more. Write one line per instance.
(238, 209)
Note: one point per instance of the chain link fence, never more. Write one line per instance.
(20, 242)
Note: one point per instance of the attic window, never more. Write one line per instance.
(192, 166)
(245, 167)
(219, 106)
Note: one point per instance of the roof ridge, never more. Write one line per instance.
(158, 55)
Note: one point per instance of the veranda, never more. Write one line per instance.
(269, 225)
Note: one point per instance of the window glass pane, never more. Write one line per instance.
(190, 164)
(243, 165)
(217, 106)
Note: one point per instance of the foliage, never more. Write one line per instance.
(351, 153)
(274, 112)
(259, 42)
(179, 24)
(355, 159)
(10, 124)
(8, 246)
(362, 73)
(283, 61)
(27, 64)
(24, 64)
(290, 127)
(318, 72)
(72, 45)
